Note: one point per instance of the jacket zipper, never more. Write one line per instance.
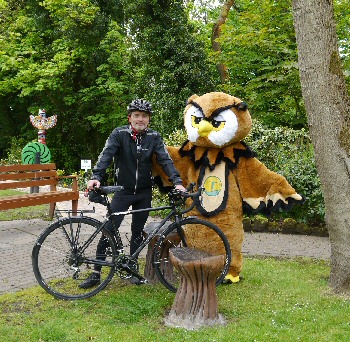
(137, 173)
(138, 151)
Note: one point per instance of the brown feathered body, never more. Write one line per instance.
(216, 158)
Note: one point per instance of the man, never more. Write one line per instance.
(132, 147)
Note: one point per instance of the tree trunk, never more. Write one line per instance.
(195, 304)
(327, 105)
(216, 32)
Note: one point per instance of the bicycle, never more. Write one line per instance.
(65, 253)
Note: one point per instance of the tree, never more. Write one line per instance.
(259, 49)
(69, 58)
(222, 68)
(327, 105)
(84, 60)
(170, 62)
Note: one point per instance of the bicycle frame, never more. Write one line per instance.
(175, 214)
(146, 241)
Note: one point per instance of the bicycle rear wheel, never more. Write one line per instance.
(64, 256)
(191, 232)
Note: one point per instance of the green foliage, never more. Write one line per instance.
(342, 17)
(82, 178)
(259, 49)
(14, 153)
(56, 55)
(159, 199)
(85, 60)
(290, 153)
(169, 60)
(176, 138)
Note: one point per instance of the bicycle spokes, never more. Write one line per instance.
(61, 264)
(194, 234)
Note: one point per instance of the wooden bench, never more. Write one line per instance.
(35, 175)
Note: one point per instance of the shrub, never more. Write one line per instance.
(14, 153)
(176, 138)
(290, 153)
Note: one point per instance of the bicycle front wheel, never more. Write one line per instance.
(191, 232)
(64, 256)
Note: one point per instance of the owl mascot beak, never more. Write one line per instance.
(204, 128)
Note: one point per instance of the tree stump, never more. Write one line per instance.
(195, 304)
(149, 273)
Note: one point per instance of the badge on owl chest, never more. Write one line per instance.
(215, 185)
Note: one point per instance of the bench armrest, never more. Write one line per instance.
(70, 176)
(75, 181)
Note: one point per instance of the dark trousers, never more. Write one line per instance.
(122, 201)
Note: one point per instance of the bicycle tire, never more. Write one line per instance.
(60, 264)
(193, 226)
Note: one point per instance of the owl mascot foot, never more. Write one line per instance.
(230, 279)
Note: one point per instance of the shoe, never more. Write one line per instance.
(134, 280)
(92, 280)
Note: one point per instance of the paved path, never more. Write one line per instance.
(17, 239)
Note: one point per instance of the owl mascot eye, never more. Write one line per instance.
(234, 181)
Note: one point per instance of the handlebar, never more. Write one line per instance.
(106, 190)
(176, 197)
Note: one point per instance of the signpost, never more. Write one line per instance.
(85, 164)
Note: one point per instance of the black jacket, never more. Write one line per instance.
(133, 158)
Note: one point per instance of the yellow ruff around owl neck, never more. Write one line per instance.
(210, 157)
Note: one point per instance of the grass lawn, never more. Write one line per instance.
(27, 213)
(278, 300)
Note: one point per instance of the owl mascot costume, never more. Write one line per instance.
(234, 181)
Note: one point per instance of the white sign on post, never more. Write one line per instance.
(85, 164)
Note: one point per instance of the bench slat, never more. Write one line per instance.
(27, 184)
(27, 200)
(28, 175)
(28, 167)
(35, 175)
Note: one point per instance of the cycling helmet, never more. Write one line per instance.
(141, 105)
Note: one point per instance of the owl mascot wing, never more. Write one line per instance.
(216, 158)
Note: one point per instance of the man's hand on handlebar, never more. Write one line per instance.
(180, 188)
(93, 183)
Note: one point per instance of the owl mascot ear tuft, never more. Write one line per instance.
(191, 98)
(242, 106)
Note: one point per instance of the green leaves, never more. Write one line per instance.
(85, 60)
(290, 153)
(71, 14)
(169, 60)
(260, 51)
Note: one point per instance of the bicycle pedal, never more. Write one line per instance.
(136, 281)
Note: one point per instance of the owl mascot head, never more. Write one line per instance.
(216, 159)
